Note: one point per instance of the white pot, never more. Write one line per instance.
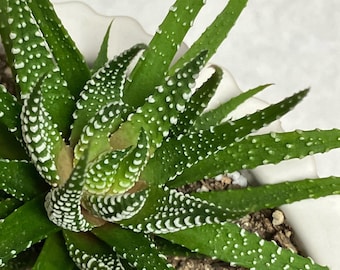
(316, 222)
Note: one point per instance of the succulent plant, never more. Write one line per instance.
(91, 158)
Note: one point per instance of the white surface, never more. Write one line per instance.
(294, 44)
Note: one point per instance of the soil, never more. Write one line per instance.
(268, 223)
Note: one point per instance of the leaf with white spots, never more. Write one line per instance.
(63, 204)
(41, 136)
(101, 172)
(230, 243)
(35, 36)
(88, 252)
(137, 249)
(66, 55)
(115, 208)
(118, 170)
(103, 52)
(197, 103)
(264, 149)
(20, 179)
(10, 112)
(247, 200)
(167, 210)
(163, 107)
(149, 71)
(215, 34)
(54, 255)
(24, 227)
(216, 116)
(105, 86)
(25, 43)
(178, 156)
(7, 206)
(10, 147)
(98, 130)
(32, 57)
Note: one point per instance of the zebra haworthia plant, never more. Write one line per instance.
(91, 158)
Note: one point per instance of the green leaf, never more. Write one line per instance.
(115, 208)
(101, 172)
(244, 201)
(27, 225)
(197, 103)
(33, 57)
(215, 34)
(89, 252)
(7, 206)
(118, 170)
(25, 38)
(98, 130)
(162, 108)
(178, 157)
(10, 147)
(167, 210)
(263, 149)
(230, 243)
(149, 71)
(54, 255)
(20, 179)
(105, 86)
(216, 116)
(102, 55)
(70, 61)
(10, 112)
(46, 44)
(41, 136)
(136, 248)
(63, 204)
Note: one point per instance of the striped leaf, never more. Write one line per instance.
(230, 243)
(25, 226)
(167, 210)
(197, 103)
(21, 180)
(67, 57)
(162, 108)
(33, 58)
(54, 255)
(10, 112)
(151, 67)
(41, 136)
(178, 155)
(98, 130)
(135, 248)
(105, 86)
(115, 208)
(246, 200)
(63, 204)
(216, 116)
(215, 34)
(100, 175)
(88, 252)
(264, 149)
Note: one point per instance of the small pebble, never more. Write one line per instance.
(278, 218)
